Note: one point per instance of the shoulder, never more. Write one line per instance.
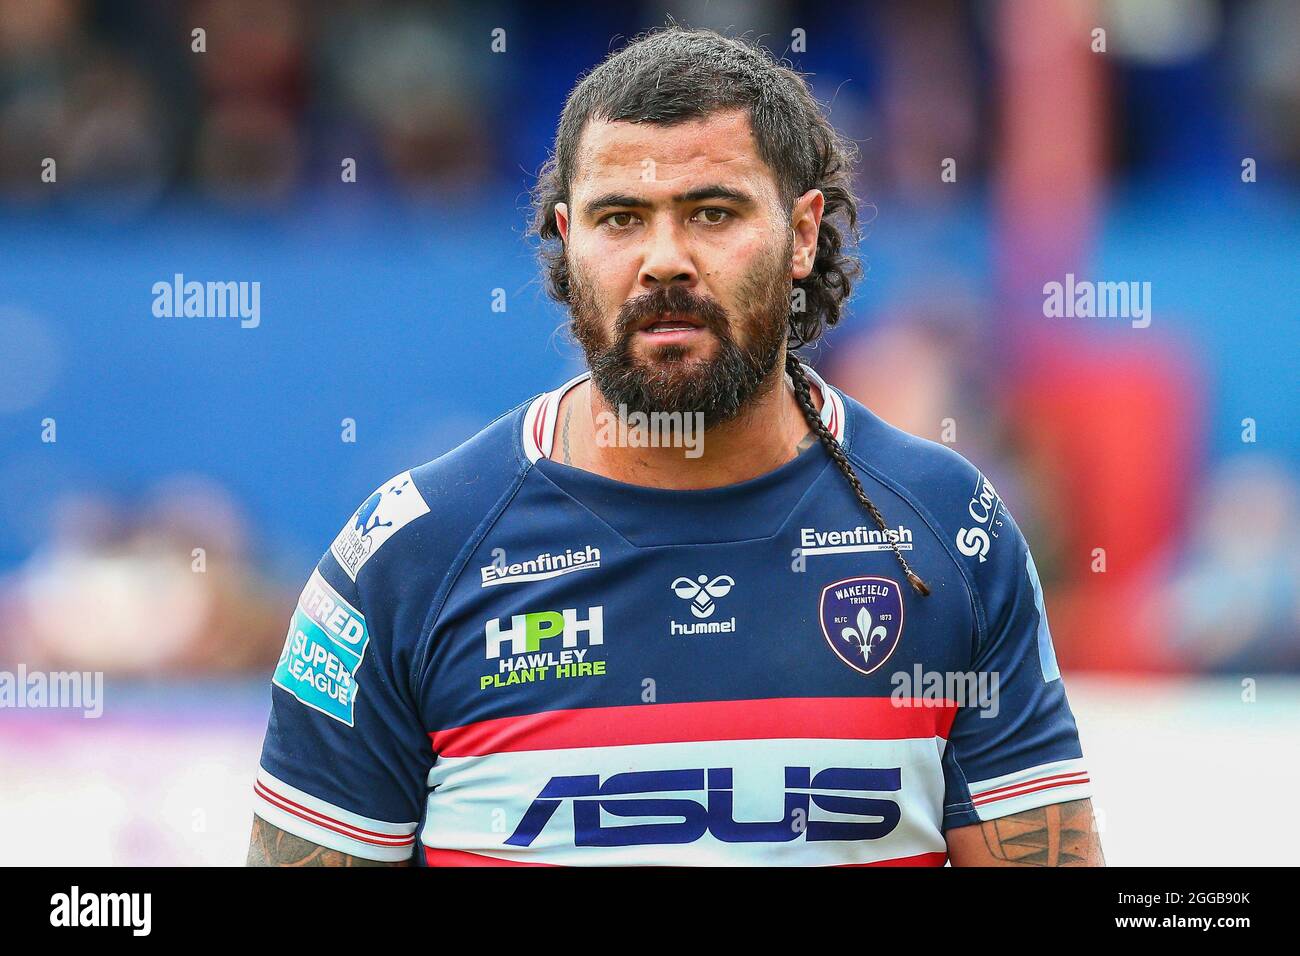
(955, 499)
(415, 524)
(932, 476)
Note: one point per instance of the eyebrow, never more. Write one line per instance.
(700, 193)
(715, 192)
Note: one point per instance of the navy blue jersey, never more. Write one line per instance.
(505, 659)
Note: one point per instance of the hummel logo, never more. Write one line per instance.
(702, 591)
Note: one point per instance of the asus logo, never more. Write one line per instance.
(627, 795)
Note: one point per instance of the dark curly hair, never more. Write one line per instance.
(678, 74)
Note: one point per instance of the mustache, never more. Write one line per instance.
(677, 300)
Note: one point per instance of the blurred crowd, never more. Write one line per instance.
(440, 103)
(436, 99)
(171, 586)
(1154, 556)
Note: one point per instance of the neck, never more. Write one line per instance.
(765, 436)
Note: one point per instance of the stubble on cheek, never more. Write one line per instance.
(586, 316)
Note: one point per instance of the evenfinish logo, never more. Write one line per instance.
(102, 909)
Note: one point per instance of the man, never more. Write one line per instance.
(571, 642)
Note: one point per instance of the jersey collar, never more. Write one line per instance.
(539, 420)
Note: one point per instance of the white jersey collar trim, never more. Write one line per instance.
(539, 420)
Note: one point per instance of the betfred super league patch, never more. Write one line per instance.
(326, 641)
(862, 619)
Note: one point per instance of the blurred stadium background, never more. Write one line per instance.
(1173, 448)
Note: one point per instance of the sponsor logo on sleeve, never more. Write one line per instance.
(324, 647)
(393, 506)
(983, 508)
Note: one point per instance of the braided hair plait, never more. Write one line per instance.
(803, 393)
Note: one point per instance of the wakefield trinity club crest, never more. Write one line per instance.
(862, 619)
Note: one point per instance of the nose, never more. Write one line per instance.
(668, 259)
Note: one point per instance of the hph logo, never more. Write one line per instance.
(701, 592)
(527, 631)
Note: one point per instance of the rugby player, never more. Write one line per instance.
(550, 647)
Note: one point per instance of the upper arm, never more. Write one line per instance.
(270, 846)
(1018, 753)
(1059, 834)
(346, 753)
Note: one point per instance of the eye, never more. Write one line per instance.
(712, 215)
(619, 220)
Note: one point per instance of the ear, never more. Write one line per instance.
(562, 220)
(805, 221)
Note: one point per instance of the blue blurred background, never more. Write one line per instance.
(1156, 471)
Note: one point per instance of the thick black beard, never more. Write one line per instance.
(719, 389)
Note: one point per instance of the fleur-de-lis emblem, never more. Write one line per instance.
(862, 620)
(863, 636)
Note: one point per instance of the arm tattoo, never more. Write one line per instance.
(567, 413)
(271, 846)
(1057, 835)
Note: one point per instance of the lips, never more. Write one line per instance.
(669, 323)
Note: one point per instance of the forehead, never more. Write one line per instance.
(715, 149)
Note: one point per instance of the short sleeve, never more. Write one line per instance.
(1017, 747)
(346, 755)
